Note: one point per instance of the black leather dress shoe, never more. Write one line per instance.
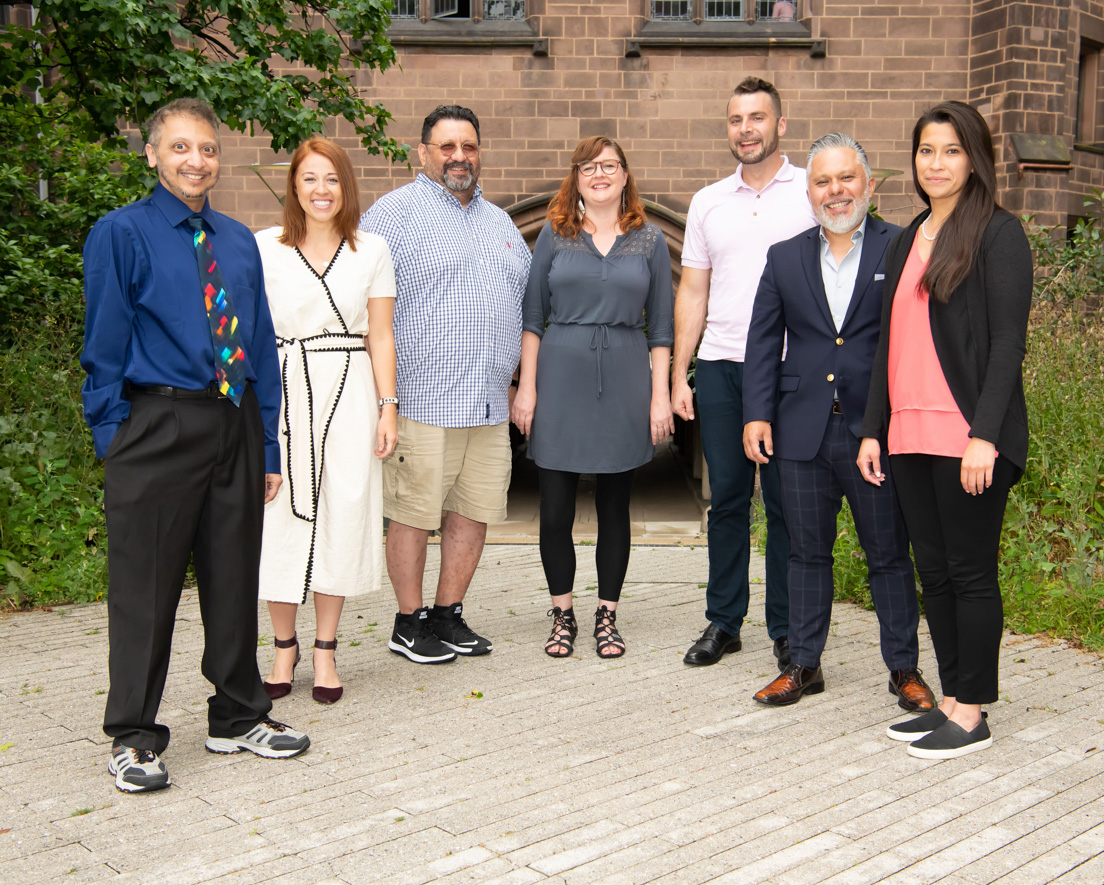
(713, 645)
(782, 651)
(788, 688)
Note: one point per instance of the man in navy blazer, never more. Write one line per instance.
(820, 297)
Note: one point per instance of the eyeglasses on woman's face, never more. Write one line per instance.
(608, 167)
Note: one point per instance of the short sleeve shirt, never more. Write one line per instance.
(729, 229)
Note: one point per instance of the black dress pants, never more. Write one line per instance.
(956, 540)
(184, 478)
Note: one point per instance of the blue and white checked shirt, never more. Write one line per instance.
(460, 274)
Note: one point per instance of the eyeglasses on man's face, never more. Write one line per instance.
(607, 166)
(448, 148)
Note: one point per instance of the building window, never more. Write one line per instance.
(464, 23)
(723, 10)
(459, 10)
(1090, 119)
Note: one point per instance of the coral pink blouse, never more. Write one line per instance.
(924, 418)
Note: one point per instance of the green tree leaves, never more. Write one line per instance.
(287, 67)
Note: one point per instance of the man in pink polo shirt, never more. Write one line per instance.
(730, 226)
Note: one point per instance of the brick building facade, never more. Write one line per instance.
(547, 73)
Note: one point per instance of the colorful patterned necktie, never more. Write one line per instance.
(225, 337)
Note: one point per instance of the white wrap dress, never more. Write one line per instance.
(323, 530)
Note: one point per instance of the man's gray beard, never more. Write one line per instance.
(462, 185)
(844, 225)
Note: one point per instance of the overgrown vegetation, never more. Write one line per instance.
(52, 528)
(71, 76)
(1052, 550)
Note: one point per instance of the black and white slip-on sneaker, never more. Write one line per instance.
(917, 727)
(951, 740)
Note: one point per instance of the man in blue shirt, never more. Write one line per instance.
(187, 470)
(460, 268)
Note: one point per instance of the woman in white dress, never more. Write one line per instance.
(331, 289)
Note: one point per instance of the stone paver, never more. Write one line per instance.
(519, 769)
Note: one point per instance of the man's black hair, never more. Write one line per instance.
(449, 112)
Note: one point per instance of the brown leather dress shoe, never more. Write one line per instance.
(791, 684)
(912, 691)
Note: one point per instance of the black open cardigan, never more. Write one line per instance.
(980, 337)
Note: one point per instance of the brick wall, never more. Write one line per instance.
(886, 61)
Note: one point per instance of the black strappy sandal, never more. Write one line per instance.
(605, 631)
(564, 631)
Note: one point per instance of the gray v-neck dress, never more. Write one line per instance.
(594, 378)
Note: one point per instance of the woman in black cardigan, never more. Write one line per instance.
(946, 398)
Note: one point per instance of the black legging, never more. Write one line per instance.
(557, 515)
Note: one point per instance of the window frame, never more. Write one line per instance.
(750, 31)
(475, 31)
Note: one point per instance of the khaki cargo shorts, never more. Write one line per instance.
(433, 469)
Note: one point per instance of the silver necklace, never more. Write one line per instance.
(924, 231)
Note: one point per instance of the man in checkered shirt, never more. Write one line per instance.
(460, 266)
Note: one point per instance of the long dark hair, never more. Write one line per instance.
(960, 237)
(563, 211)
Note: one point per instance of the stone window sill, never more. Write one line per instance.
(466, 34)
(725, 34)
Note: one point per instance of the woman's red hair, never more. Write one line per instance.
(346, 220)
(564, 212)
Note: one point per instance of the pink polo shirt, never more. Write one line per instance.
(729, 228)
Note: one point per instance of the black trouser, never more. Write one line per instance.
(184, 478)
(955, 540)
(557, 515)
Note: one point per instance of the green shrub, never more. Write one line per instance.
(52, 533)
(51, 516)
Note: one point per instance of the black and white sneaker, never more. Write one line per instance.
(448, 625)
(950, 740)
(413, 638)
(267, 738)
(137, 771)
(919, 726)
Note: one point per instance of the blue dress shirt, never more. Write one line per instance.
(146, 321)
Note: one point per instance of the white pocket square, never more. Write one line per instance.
(879, 276)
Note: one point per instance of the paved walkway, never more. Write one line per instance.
(517, 769)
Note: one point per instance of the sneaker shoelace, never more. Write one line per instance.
(143, 757)
(278, 727)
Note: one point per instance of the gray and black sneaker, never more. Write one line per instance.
(448, 624)
(413, 638)
(267, 738)
(137, 771)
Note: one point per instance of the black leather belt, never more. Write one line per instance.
(178, 392)
(836, 408)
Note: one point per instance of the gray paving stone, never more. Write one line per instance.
(578, 771)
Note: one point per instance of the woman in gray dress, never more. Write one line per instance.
(587, 395)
